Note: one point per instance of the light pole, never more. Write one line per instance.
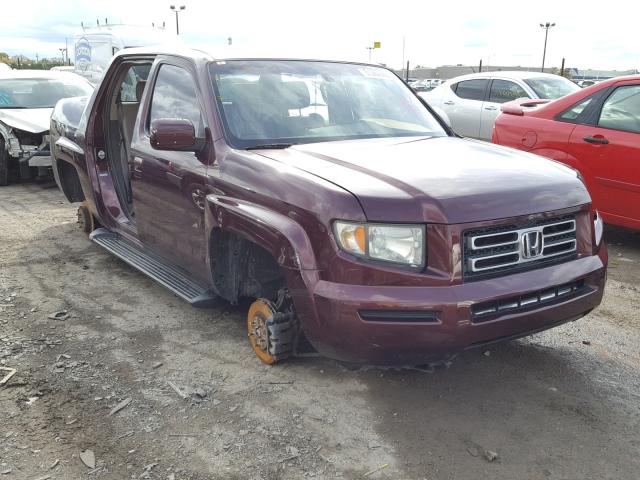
(177, 10)
(546, 27)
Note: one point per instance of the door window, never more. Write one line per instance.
(572, 114)
(505, 91)
(472, 89)
(130, 91)
(621, 111)
(174, 96)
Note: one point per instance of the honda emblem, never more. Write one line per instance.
(531, 242)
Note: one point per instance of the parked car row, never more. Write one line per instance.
(425, 84)
(473, 101)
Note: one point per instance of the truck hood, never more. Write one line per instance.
(439, 179)
(33, 120)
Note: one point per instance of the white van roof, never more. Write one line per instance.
(131, 35)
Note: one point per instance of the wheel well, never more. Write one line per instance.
(241, 268)
(70, 181)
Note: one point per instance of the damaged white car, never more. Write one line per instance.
(27, 98)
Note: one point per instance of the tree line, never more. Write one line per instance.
(21, 62)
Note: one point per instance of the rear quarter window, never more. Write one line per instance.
(471, 89)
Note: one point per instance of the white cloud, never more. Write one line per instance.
(441, 32)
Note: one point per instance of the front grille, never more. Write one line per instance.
(506, 249)
(482, 312)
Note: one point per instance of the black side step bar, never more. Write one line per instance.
(155, 267)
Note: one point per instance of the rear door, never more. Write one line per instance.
(168, 186)
(609, 149)
(500, 91)
(463, 105)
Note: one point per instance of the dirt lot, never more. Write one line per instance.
(564, 404)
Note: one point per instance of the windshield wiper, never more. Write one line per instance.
(266, 146)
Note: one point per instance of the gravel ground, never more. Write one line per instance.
(196, 404)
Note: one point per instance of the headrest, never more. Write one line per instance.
(139, 89)
(295, 94)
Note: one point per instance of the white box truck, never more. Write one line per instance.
(95, 47)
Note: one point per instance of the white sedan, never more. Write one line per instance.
(27, 98)
(472, 102)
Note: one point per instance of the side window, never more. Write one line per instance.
(621, 111)
(505, 91)
(471, 89)
(572, 114)
(130, 91)
(174, 96)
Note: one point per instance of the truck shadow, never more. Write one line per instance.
(543, 409)
(624, 254)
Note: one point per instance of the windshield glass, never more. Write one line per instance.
(40, 92)
(291, 102)
(551, 88)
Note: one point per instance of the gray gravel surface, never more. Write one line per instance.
(190, 400)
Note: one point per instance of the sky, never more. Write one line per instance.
(588, 34)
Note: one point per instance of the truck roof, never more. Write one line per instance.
(223, 54)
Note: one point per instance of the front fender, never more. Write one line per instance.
(280, 235)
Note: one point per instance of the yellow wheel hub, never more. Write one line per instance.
(259, 314)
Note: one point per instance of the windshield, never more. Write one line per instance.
(552, 88)
(281, 102)
(40, 92)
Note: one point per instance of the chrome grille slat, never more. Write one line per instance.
(502, 249)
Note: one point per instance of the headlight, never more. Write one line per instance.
(598, 227)
(402, 244)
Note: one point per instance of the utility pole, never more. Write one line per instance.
(546, 27)
(370, 49)
(375, 45)
(177, 10)
(403, 51)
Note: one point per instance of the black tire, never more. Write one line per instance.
(4, 165)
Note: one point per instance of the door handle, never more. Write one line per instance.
(198, 197)
(597, 139)
(491, 107)
(449, 102)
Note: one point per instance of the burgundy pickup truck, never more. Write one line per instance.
(332, 198)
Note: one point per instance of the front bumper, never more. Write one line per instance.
(39, 158)
(333, 317)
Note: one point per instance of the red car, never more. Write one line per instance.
(596, 131)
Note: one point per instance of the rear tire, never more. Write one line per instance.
(86, 221)
(4, 164)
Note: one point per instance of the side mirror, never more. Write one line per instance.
(176, 134)
(443, 115)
